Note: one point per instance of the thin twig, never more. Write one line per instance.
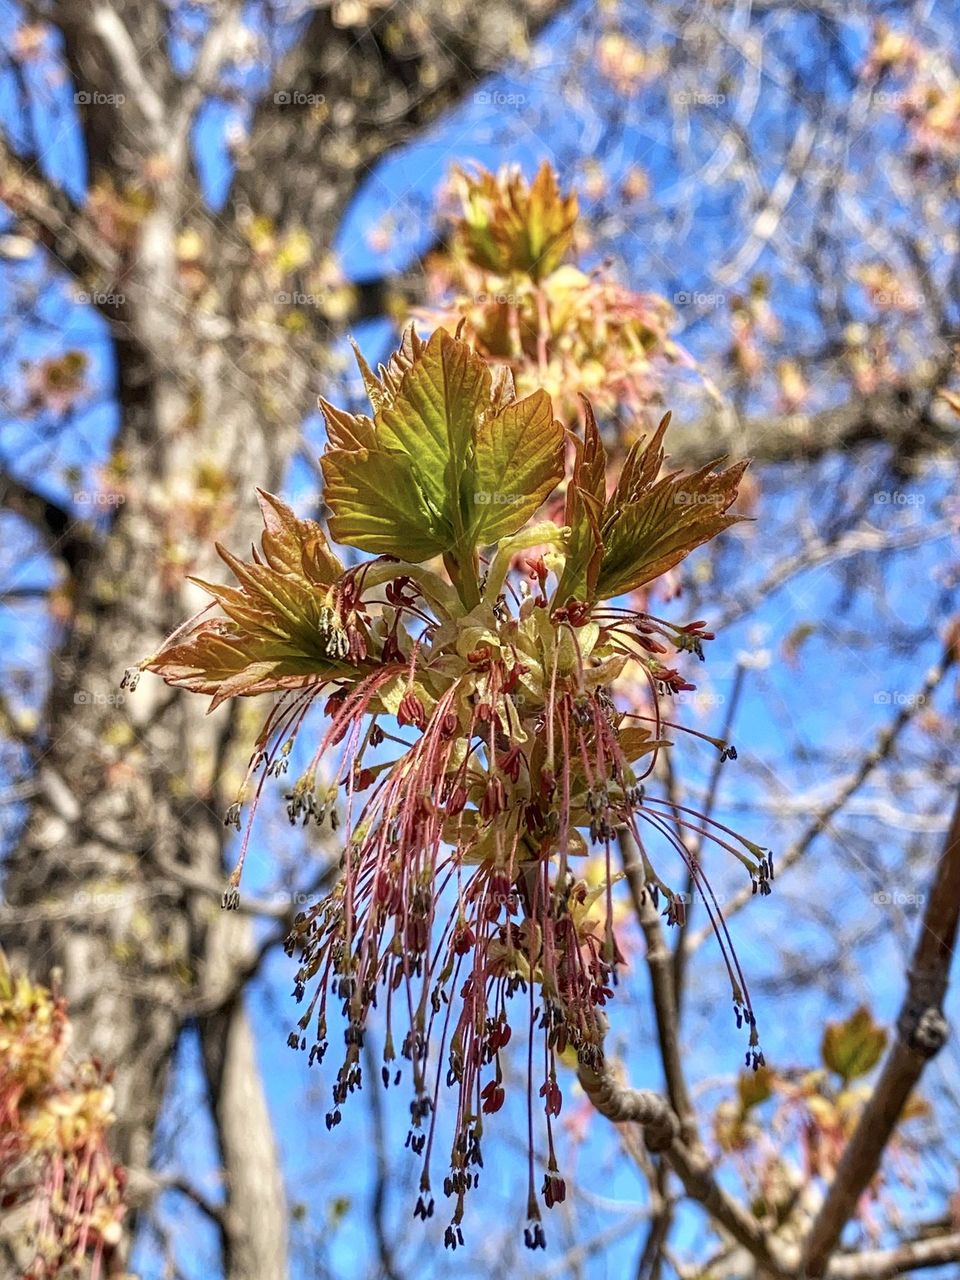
(881, 751)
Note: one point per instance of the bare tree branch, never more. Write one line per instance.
(884, 1264)
(57, 223)
(660, 965)
(921, 1033)
(214, 52)
(106, 23)
(903, 417)
(878, 753)
(145, 1185)
(255, 1236)
(65, 537)
(622, 1104)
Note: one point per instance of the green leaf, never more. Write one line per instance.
(283, 628)
(641, 468)
(347, 430)
(372, 384)
(286, 605)
(650, 525)
(356, 430)
(383, 390)
(510, 225)
(854, 1047)
(586, 494)
(446, 426)
(657, 532)
(378, 505)
(519, 462)
(442, 399)
(551, 219)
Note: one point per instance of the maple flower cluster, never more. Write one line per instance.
(54, 1118)
(509, 273)
(474, 749)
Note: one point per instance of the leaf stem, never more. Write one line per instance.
(462, 566)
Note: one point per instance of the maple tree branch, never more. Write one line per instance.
(622, 1104)
(215, 51)
(921, 1033)
(146, 1184)
(881, 750)
(52, 217)
(378, 1200)
(900, 416)
(393, 77)
(63, 535)
(105, 22)
(660, 965)
(883, 1264)
(817, 552)
(108, 49)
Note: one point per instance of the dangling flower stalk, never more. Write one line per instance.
(474, 739)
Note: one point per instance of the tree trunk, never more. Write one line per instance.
(255, 1234)
(129, 783)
